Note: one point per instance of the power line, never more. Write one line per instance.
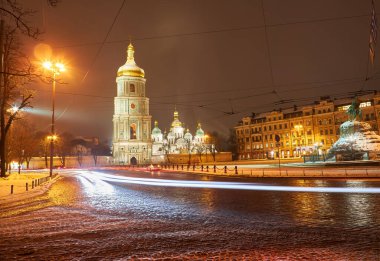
(103, 42)
(242, 28)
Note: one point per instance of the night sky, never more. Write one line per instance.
(214, 59)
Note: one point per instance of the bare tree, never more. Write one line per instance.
(23, 142)
(188, 148)
(15, 69)
(64, 146)
(80, 146)
(166, 147)
(200, 149)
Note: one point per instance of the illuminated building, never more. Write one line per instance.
(177, 141)
(131, 119)
(302, 131)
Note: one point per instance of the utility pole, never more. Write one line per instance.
(2, 103)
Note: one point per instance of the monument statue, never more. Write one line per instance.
(357, 140)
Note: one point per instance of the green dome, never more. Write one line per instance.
(199, 131)
(156, 130)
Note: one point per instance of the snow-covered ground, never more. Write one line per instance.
(94, 216)
(24, 184)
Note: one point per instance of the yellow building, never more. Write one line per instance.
(301, 131)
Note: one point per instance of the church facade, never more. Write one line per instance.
(177, 140)
(131, 120)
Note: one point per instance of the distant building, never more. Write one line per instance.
(177, 141)
(131, 119)
(300, 130)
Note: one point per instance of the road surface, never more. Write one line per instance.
(121, 214)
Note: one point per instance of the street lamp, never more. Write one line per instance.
(55, 68)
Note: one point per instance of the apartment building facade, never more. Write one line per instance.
(295, 132)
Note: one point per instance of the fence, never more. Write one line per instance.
(30, 185)
(277, 172)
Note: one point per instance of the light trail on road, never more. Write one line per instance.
(91, 175)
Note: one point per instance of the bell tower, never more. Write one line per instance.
(131, 120)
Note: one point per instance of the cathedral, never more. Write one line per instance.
(133, 141)
(176, 141)
(131, 119)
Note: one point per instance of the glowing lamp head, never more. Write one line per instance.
(60, 66)
(14, 109)
(47, 65)
(52, 137)
(55, 67)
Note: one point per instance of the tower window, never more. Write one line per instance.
(131, 88)
(132, 131)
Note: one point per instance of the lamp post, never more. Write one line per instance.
(56, 68)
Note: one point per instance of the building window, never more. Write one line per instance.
(132, 131)
(131, 88)
(286, 126)
(365, 104)
(321, 132)
(270, 128)
(331, 131)
(326, 132)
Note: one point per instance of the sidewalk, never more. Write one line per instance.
(28, 182)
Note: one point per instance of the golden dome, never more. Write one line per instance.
(176, 122)
(130, 67)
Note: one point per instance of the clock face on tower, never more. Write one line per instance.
(133, 106)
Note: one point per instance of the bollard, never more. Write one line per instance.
(32, 184)
(207, 168)
(214, 168)
(173, 167)
(236, 170)
(188, 167)
(202, 168)
(26, 186)
(182, 167)
(193, 167)
(11, 189)
(225, 169)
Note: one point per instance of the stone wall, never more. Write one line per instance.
(195, 159)
(71, 162)
(88, 161)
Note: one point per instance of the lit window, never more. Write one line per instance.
(132, 131)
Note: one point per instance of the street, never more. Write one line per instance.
(132, 214)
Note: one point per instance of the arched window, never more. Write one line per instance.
(132, 131)
(131, 88)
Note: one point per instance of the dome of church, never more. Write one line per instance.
(188, 135)
(130, 67)
(176, 122)
(199, 131)
(156, 130)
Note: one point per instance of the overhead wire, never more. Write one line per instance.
(242, 28)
